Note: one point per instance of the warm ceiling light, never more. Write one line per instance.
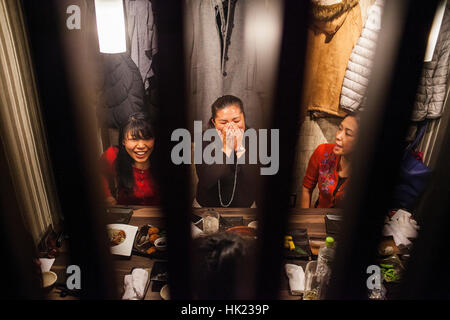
(110, 26)
(434, 32)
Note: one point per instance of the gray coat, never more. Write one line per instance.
(432, 88)
(142, 36)
(212, 72)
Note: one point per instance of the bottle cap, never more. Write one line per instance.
(329, 241)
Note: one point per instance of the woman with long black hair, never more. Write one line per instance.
(126, 169)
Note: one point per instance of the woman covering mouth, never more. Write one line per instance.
(127, 174)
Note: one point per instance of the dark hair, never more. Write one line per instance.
(219, 259)
(223, 102)
(354, 114)
(139, 126)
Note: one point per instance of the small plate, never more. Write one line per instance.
(141, 249)
(124, 248)
(165, 293)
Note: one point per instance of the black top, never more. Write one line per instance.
(341, 180)
(248, 182)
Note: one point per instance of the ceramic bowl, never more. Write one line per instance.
(48, 280)
(165, 294)
(161, 244)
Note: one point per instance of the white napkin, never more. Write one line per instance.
(296, 277)
(46, 264)
(134, 284)
(129, 293)
(401, 227)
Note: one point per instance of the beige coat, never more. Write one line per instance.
(331, 38)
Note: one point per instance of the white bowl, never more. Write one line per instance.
(48, 279)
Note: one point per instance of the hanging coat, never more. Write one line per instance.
(432, 88)
(333, 32)
(142, 36)
(220, 60)
(122, 92)
(357, 75)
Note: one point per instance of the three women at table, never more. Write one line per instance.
(230, 184)
(330, 167)
(127, 172)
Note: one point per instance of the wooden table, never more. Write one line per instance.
(310, 219)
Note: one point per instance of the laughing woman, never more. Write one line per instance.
(126, 170)
(228, 184)
(329, 167)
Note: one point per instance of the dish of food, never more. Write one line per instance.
(116, 237)
(121, 238)
(146, 240)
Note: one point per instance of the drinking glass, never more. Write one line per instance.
(312, 284)
(211, 222)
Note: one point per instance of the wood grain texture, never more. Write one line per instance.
(311, 219)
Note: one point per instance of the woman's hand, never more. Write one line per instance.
(232, 139)
(110, 201)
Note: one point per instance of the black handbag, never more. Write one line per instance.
(413, 177)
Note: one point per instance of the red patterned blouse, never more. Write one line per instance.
(323, 170)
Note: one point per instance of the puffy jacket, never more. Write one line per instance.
(122, 93)
(433, 82)
(354, 87)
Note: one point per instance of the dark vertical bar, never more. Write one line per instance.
(427, 271)
(286, 117)
(397, 67)
(21, 280)
(173, 179)
(72, 145)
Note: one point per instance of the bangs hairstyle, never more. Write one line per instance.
(139, 127)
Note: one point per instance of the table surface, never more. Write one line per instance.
(311, 219)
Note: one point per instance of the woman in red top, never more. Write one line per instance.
(126, 171)
(329, 167)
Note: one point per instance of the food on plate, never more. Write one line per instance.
(152, 230)
(150, 250)
(153, 237)
(116, 236)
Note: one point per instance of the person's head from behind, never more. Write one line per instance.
(136, 144)
(227, 111)
(347, 135)
(219, 260)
